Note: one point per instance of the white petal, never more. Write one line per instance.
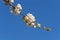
(11, 11)
(30, 16)
(11, 1)
(19, 5)
(34, 26)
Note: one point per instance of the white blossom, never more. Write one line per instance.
(16, 10)
(31, 17)
(38, 25)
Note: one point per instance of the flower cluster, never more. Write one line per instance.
(29, 19)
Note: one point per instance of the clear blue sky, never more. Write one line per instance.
(47, 12)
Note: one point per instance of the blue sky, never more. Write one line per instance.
(47, 12)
